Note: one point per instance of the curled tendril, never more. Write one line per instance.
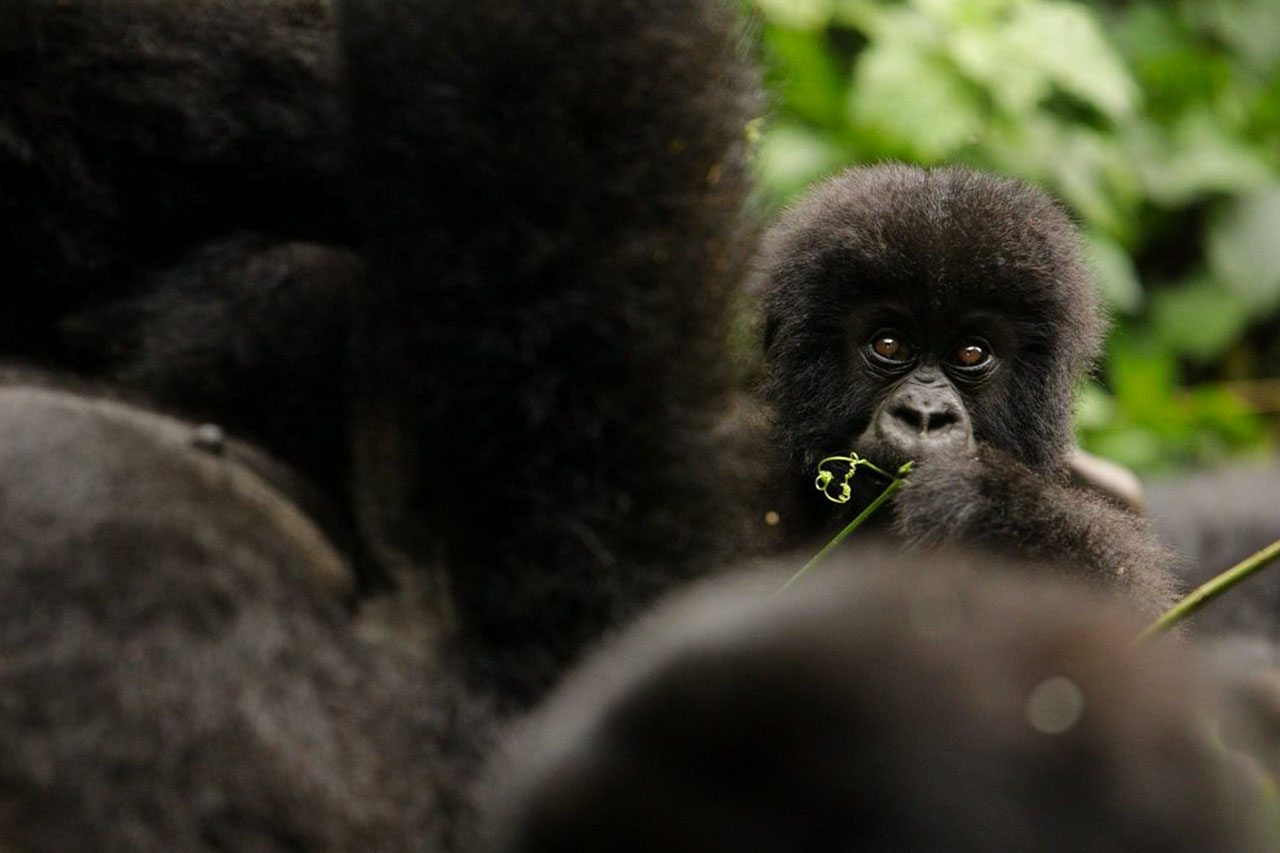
(826, 478)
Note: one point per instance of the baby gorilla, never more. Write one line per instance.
(944, 317)
(941, 703)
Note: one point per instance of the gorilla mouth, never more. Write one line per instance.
(882, 450)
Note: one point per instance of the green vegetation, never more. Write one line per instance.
(1156, 122)
(823, 483)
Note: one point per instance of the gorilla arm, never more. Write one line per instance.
(990, 499)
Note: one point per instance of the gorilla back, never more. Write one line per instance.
(949, 701)
(179, 669)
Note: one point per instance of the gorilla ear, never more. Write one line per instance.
(1110, 479)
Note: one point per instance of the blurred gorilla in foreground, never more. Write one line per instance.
(950, 702)
(487, 286)
(464, 265)
(179, 665)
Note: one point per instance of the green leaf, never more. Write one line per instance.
(1133, 447)
(1149, 31)
(1016, 82)
(1113, 267)
(1223, 421)
(1143, 375)
(1194, 158)
(808, 76)
(1090, 171)
(796, 14)
(1094, 407)
(1250, 27)
(1072, 50)
(1244, 249)
(793, 156)
(864, 15)
(914, 99)
(1200, 319)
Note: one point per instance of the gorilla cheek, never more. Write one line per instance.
(918, 420)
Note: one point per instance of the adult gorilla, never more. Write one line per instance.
(512, 404)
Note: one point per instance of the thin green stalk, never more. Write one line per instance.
(851, 526)
(1210, 590)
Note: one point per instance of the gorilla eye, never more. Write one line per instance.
(889, 346)
(973, 354)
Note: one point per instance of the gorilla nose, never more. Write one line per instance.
(924, 419)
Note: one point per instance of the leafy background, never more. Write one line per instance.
(1157, 123)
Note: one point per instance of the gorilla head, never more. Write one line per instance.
(947, 701)
(912, 312)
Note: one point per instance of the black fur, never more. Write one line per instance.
(174, 211)
(515, 402)
(551, 192)
(943, 256)
(550, 219)
(247, 332)
(180, 667)
(132, 133)
(889, 704)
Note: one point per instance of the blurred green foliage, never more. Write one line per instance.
(1156, 122)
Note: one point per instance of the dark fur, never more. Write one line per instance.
(551, 191)
(1216, 518)
(132, 133)
(949, 250)
(179, 667)
(515, 403)
(550, 221)
(174, 210)
(247, 332)
(883, 705)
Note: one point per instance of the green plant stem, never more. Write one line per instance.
(851, 526)
(1210, 590)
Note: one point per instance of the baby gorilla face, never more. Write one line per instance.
(921, 411)
(941, 317)
(911, 313)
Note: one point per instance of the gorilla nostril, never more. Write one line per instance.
(940, 420)
(910, 416)
(925, 420)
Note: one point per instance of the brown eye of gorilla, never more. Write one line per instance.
(972, 354)
(889, 346)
